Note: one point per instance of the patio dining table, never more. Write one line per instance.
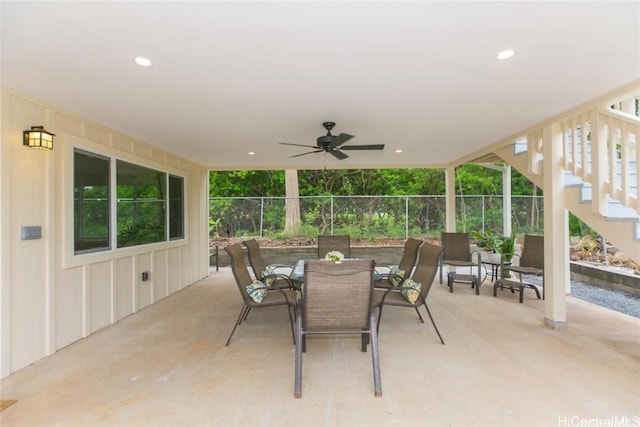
(297, 274)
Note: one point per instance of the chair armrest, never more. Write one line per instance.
(270, 290)
(279, 276)
(506, 258)
(388, 276)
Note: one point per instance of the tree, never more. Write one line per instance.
(291, 202)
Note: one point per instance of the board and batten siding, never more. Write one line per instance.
(49, 297)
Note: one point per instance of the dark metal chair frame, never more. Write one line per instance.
(336, 299)
(530, 262)
(334, 243)
(424, 273)
(281, 281)
(274, 296)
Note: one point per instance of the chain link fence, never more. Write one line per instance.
(369, 216)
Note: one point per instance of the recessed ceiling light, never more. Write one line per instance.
(398, 151)
(144, 62)
(251, 153)
(505, 54)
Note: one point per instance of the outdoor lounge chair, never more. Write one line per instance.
(334, 243)
(336, 299)
(424, 274)
(272, 296)
(390, 277)
(457, 253)
(530, 262)
(276, 274)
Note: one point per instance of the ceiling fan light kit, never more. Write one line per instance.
(332, 144)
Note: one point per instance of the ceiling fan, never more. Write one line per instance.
(332, 144)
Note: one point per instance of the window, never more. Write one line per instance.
(91, 177)
(176, 207)
(149, 205)
(141, 204)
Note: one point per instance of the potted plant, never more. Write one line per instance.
(496, 245)
(490, 242)
(507, 246)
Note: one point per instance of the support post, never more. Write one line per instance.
(556, 242)
(506, 200)
(450, 199)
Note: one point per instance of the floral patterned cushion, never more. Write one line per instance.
(396, 275)
(268, 276)
(411, 290)
(257, 291)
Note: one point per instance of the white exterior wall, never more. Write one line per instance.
(50, 298)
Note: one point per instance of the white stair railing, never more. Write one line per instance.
(600, 148)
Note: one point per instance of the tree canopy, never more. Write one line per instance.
(470, 179)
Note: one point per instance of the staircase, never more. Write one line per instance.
(600, 158)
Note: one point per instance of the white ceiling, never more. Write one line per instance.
(234, 77)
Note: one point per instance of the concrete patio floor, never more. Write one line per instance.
(167, 365)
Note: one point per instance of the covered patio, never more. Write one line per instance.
(167, 365)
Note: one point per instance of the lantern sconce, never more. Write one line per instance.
(37, 137)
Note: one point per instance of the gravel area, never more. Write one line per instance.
(610, 298)
(613, 299)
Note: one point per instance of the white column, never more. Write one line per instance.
(450, 199)
(556, 245)
(506, 200)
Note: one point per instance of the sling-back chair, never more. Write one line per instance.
(413, 292)
(336, 299)
(531, 262)
(251, 291)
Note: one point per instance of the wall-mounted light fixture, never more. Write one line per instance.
(37, 137)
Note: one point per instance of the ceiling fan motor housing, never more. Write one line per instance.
(324, 141)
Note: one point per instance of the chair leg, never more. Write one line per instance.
(537, 291)
(246, 314)
(532, 287)
(434, 323)
(375, 357)
(379, 317)
(440, 269)
(242, 312)
(475, 282)
(300, 339)
(289, 307)
(365, 341)
(450, 279)
(419, 315)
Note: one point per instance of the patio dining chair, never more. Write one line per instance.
(531, 262)
(413, 292)
(391, 276)
(276, 275)
(336, 299)
(254, 293)
(457, 254)
(334, 243)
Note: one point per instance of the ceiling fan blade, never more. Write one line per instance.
(341, 139)
(363, 147)
(298, 145)
(338, 154)
(304, 154)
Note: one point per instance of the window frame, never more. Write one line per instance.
(70, 258)
(109, 245)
